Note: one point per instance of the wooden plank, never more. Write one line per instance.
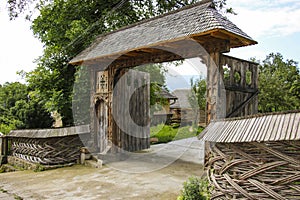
(249, 129)
(235, 130)
(295, 133)
(279, 130)
(276, 124)
(255, 131)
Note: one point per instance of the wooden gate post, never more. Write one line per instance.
(3, 149)
(215, 89)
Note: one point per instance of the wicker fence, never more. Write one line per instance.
(48, 147)
(268, 170)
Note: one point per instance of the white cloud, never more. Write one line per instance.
(266, 18)
(189, 67)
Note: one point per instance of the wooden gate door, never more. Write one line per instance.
(131, 110)
(102, 115)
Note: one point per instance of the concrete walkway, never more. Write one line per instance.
(156, 173)
(189, 150)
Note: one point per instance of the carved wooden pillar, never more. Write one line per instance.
(216, 96)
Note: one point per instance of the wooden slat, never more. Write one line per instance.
(295, 133)
(265, 129)
(279, 130)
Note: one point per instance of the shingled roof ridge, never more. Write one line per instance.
(203, 2)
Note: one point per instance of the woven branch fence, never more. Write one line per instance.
(47, 151)
(268, 170)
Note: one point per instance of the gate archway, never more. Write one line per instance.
(168, 38)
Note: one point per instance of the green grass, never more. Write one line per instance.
(166, 133)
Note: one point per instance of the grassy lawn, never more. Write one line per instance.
(166, 133)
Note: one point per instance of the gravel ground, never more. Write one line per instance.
(158, 174)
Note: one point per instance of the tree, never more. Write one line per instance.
(198, 94)
(19, 108)
(279, 84)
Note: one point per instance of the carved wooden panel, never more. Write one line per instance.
(102, 82)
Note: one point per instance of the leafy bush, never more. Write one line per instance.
(195, 189)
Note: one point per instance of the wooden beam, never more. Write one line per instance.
(240, 89)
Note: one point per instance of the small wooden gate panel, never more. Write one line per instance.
(131, 111)
(241, 84)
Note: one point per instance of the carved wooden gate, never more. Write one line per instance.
(131, 111)
(102, 117)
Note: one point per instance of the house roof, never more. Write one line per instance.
(163, 93)
(264, 127)
(200, 19)
(183, 98)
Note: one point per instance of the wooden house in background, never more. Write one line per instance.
(162, 113)
(185, 113)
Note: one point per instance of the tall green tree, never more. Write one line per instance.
(279, 84)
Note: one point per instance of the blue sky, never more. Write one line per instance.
(274, 24)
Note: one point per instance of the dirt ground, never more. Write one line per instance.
(80, 182)
(108, 182)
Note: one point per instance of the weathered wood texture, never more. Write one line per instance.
(130, 110)
(48, 146)
(267, 170)
(201, 22)
(241, 83)
(260, 127)
(47, 151)
(102, 124)
(215, 89)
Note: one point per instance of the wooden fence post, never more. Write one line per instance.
(3, 149)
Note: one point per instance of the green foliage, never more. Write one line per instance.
(39, 168)
(195, 189)
(279, 84)
(198, 97)
(165, 133)
(19, 108)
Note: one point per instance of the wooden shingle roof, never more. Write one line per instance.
(268, 127)
(49, 133)
(198, 20)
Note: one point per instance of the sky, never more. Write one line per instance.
(274, 24)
